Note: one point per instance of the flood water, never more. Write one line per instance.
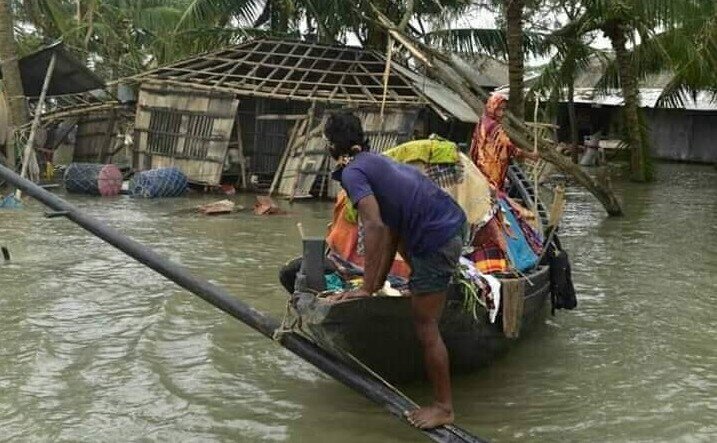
(96, 347)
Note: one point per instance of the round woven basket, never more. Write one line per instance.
(93, 179)
(162, 182)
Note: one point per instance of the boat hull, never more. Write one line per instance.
(378, 331)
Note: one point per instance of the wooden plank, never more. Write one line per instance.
(281, 117)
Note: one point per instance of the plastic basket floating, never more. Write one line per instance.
(93, 179)
(162, 182)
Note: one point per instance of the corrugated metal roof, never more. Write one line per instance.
(440, 96)
(70, 76)
(648, 99)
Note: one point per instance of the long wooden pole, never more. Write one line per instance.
(358, 380)
(36, 120)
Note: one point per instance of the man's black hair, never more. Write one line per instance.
(344, 131)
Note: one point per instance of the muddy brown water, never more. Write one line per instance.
(96, 347)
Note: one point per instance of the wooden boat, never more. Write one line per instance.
(378, 331)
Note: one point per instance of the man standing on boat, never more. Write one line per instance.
(402, 210)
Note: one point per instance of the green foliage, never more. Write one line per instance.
(476, 41)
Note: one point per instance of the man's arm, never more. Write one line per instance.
(380, 245)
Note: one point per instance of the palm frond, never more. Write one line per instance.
(483, 41)
(220, 12)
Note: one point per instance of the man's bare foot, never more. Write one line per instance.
(429, 417)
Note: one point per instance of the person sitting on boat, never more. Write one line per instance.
(491, 148)
(402, 210)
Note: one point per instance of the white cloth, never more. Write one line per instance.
(488, 286)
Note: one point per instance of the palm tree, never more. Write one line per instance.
(625, 23)
(12, 82)
(332, 20)
(688, 52)
(119, 37)
(516, 69)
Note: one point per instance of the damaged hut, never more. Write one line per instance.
(253, 112)
(78, 118)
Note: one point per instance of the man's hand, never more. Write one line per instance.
(348, 295)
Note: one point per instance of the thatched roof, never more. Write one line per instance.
(307, 71)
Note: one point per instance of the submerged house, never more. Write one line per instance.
(254, 111)
(685, 133)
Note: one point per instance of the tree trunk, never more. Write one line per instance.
(516, 71)
(573, 122)
(376, 35)
(280, 14)
(639, 159)
(12, 81)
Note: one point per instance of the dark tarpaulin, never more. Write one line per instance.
(71, 76)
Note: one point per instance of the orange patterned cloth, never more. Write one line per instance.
(343, 240)
(491, 148)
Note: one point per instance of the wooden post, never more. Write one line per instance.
(108, 136)
(297, 177)
(242, 159)
(36, 120)
(298, 127)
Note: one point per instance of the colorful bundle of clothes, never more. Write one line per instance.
(502, 236)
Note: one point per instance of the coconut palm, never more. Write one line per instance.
(118, 37)
(330, 20)
(12, 82)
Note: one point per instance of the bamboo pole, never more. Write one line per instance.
(536, 170)
(359, 380)
(386, 75)
(36, 121)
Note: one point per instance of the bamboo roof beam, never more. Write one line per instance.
(296, 65)
(306, 73)
(336, 88)
(391, 90)
(313, 91)
(281, 66)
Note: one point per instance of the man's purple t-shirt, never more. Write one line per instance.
(423, 215)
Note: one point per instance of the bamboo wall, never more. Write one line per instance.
(183, 127)
(95, 136)
(309, 164)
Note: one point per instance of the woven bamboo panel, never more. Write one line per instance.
(184, 127)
